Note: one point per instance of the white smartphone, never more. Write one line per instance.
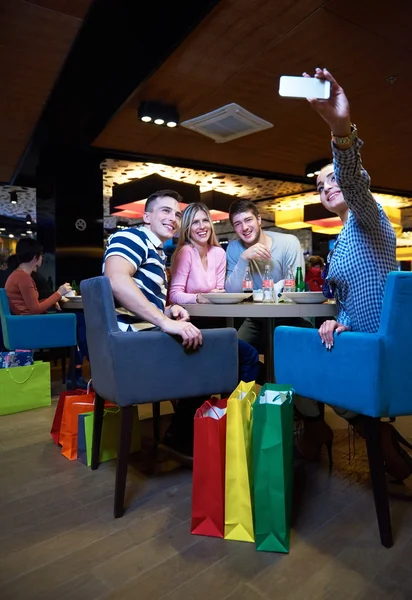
(304, 87)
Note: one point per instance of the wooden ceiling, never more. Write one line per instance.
(238, 53)
(36, 36)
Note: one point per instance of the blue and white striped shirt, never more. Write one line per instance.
(143, 249)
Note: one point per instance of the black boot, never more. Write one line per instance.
(398, 463)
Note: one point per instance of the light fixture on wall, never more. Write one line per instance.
(28, 220)
(320, 220)
(160, 114)
(313, 169)
(13, 198)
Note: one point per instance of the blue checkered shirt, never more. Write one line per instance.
(365, 251)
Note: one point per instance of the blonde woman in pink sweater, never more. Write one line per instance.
(198, 263)
(199, 266)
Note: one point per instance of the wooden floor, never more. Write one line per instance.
(58, 539)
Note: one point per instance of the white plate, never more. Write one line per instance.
(306, 297)
(219, 298)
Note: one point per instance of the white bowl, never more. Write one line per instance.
(221, 298)
(306, 297)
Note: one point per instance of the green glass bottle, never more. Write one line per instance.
(299, 282)
(74, 286)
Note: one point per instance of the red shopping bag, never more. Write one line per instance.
(208, 499)
(55, 428)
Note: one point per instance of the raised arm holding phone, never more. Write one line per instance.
(356, 270)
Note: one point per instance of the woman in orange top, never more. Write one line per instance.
(20, 288)
(23, 296)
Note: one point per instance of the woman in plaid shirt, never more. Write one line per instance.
(364, 254)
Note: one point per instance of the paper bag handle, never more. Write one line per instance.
(20, 382)
(252, 392)
(210, 405)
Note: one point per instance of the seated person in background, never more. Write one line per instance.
(11, 265)
(20, 287)
(199, 266)
(255, 249)
(313, 275)
(23, 295)
(42, 286)
(134, 262)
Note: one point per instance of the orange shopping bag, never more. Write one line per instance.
(73, 407)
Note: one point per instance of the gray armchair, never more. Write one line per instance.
(131, 368)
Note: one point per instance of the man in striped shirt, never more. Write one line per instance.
(134, 262)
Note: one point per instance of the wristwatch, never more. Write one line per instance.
(348, 139)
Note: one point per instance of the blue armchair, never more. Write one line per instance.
(28, 332)
(131, 368)
(366, 373)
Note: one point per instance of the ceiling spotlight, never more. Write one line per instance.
(2, 229)
(13, 198)
(159, 114)
(29, 232)
(314, 168)
(11, 235)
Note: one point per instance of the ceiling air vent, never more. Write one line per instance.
(227, 123)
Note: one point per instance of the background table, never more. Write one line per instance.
(269, 312)
(72, 305)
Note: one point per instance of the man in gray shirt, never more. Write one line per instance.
(256, 249)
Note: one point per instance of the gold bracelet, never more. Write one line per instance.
(347, 139)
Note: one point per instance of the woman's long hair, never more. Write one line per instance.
(188, 217)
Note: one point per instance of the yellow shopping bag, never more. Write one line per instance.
(239, 479)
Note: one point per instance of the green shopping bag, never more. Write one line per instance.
(24, 388)
(110, 436)
(273, 466)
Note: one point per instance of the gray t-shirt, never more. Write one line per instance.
(285, 250)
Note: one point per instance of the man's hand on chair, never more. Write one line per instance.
(191, 335)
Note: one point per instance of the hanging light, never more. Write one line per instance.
(28, 220)
(13, 198)
(158, 114)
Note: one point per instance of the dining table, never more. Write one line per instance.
(259, 310)
(269, 312)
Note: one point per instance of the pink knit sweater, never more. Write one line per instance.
(189, 277)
